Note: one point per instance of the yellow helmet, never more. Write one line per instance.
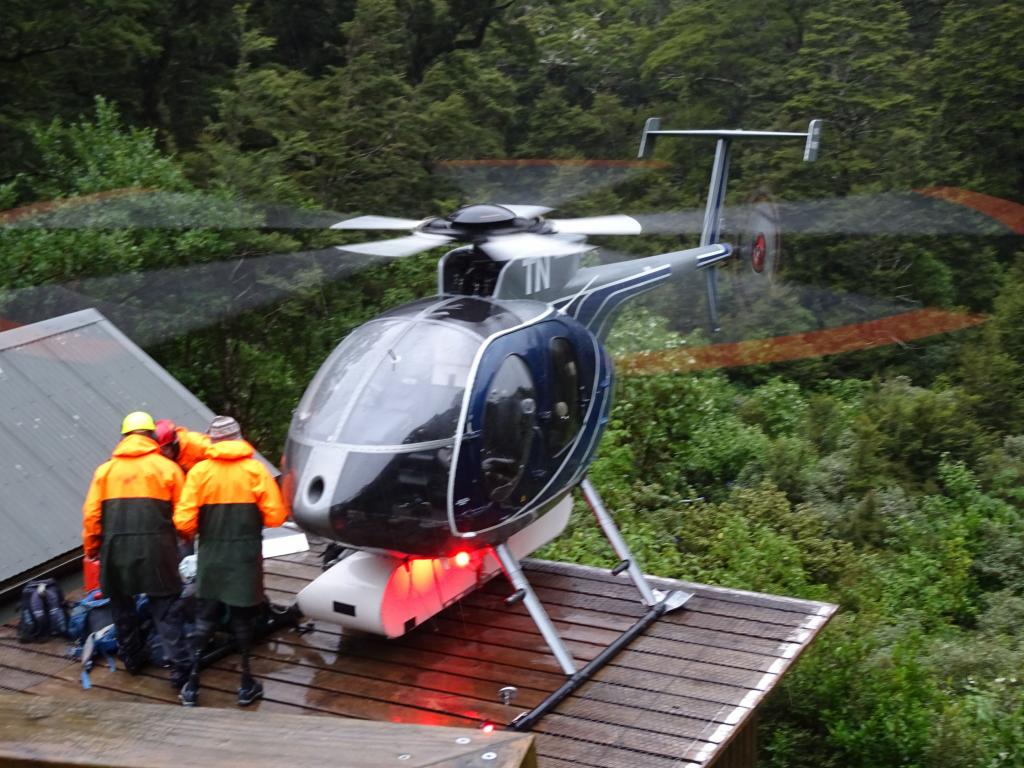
(137, 420)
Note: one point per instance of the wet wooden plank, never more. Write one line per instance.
(483, 709)
(643, 742)
(18, 680)
(36, 730)
(443, 671)
(712, 692)
(60, 689)
(759, 659)
(601, 755)
(220, 688)
(483, 601)
(438, 704)
(603, 604)
(303, 570)
(528, 650)
(310, 689)
(725, 594)
(416, 669)
(658, 700)
(42, 658)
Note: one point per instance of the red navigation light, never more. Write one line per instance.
(461, 559)
(487, 727)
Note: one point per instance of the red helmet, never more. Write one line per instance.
(166, 433)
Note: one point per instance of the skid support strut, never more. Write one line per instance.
(537, 612)
(626, 560)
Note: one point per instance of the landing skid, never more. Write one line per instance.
(658, 603)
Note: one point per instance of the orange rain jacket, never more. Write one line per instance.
(228, 499)
(192, 447)
(127, 520)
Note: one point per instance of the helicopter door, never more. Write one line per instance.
(507, 429)
(565, 401)
(490, 481)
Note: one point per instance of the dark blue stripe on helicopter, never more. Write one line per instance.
(595, 308)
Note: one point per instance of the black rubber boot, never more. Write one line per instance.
(205, 629)
(249, 690)
(243, 627)
(180, 676)
(189, 695)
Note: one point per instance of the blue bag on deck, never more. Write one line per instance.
(91, 626)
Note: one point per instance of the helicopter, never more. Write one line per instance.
(441, 441)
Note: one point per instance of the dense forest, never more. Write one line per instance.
(888, 480)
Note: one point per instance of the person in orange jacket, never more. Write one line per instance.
(186, 448)
(180, 444)
(127, 523)
(228, 499)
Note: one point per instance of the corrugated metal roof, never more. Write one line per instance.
(65, 385)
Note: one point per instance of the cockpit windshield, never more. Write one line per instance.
(391, 382)
(400, 379)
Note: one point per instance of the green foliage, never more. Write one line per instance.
(905, 430)
(975, 140)
(260, 144)
(875, 699)
(710, 59)
(854, 69)
(98, 155)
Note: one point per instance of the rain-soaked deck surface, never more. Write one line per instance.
(675, 696)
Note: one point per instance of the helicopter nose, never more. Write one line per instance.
(315, 471)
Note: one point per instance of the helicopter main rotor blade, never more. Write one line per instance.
(598, 225)
(135, 208)
(527, 245)
(933, 211)
(152, 306)
(399, 247)
(553, 182)
(377, 222)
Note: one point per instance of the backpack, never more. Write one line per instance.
(89, 614)
(91, 626)
(42, 612)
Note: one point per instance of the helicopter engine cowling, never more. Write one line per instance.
(446, 424)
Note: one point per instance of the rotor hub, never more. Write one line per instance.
(473, 223)
(486, 215)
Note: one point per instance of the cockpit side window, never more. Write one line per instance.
(507, 431)
(565, 408)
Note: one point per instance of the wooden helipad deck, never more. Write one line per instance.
(675, 697)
